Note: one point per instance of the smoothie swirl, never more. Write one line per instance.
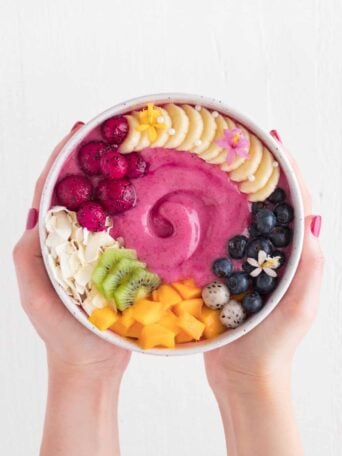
(186, 212)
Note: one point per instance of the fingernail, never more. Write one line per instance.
(316, 223)
(77, 124)
(32, 218)
(276, 136)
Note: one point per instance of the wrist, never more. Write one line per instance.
(99, 373)
(262, 385)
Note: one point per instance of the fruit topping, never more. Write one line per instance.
(212, 321)
(215, 295)
(232, 314)
(191, 325)
(238, 282)
(265, 221)
(281, 236)
(103, 318)
(113, 164)
(257, 206)
(73, 190)
(138, 285)
(117, 272)
(284, 213)
(116, 195)
(237, 246)
(252, 302)
(115, 129)
(255, 245)
(253, 230)
(92, 216)
(89, 157)
(265, 283)
(107, 260)
(222, 267)
(137, 166)
(156, 335)
(281, 257)
(278, 196)
(265, 263)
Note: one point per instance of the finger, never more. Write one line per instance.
(302, 298)
(41, 180)
(299, 176)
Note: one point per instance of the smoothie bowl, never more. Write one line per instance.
(171, 224)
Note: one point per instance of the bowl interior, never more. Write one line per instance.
(269, 142)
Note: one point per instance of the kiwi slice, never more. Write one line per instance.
(118, 272)
(106, 262)
(139, 284)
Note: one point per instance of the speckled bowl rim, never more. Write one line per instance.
(277, 150)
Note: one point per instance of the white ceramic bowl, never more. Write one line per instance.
(271, 144)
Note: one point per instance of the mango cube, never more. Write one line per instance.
(147, 312)
(155, 295)
(119, 328)
(186, 291)
(183, 337)
(213, 325)
(191, 325)
(191, 306)
(127, 318)
(103, 318)
(190, 283)
(168, 296)
(156, 335)
(135, 330)
(170, 321)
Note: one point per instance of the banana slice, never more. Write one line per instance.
(270, 186)
(132, 138)
(214, 149)
(219, 159)
(238, 160)
(261, 176)
(195, 128)
(209, 129)
(180, 124)
(249, 167)
(163, 135)
(144, 139)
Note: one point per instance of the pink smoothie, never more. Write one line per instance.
(185, 214)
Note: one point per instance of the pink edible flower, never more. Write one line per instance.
(235, 143)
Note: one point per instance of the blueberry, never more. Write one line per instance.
(255, 245)
(257, 206)
(265, 221)
(238, 282)
(264, 283)
(248, 267)
(237, 246)
(252, 302)
(282, 256)
(281, 236)
(253, 230)
(284, 213)
(222, 267)
(278, 196)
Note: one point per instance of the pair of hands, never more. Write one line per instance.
(261, 355)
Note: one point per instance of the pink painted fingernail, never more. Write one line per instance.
(32, 218)
(276, 136)
(316, 223)
(77, 124)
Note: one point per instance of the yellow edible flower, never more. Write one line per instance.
(151, 119)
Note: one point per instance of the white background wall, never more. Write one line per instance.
(278, 62)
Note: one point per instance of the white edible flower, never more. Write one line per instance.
(264, 263)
